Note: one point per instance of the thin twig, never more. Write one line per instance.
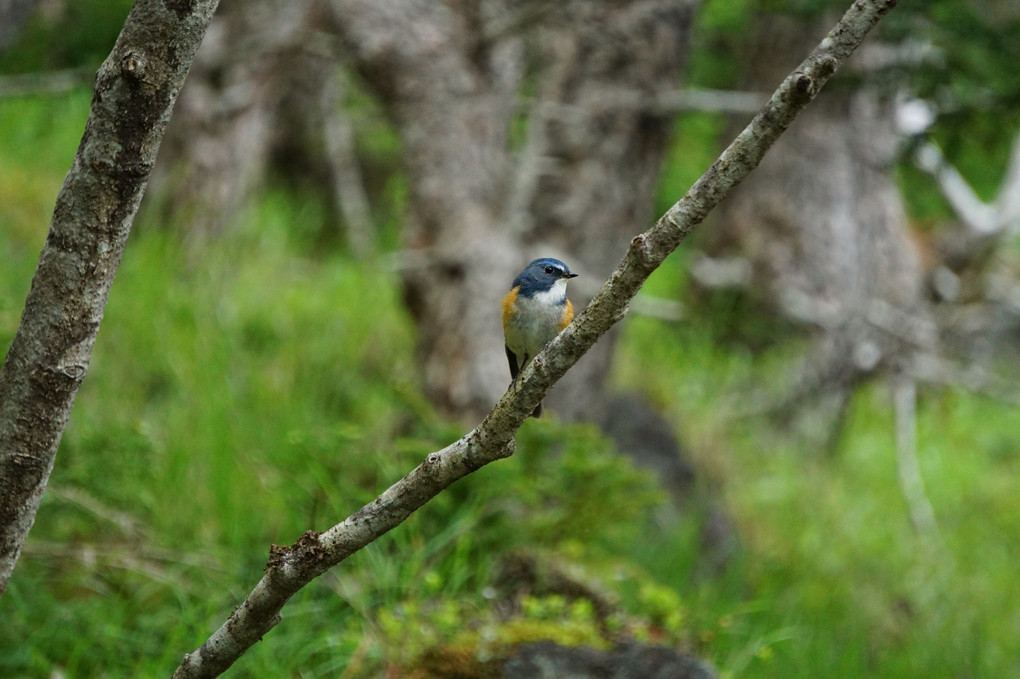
(1001, 216)
(128, 525)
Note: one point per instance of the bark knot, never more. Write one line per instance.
(181, 8)
(827, 66)
(641, 249)
(306, 549)
(74, 371)
(132, 65)
(276, 554)
(507, 450)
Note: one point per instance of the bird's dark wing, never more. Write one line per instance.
(511, 357)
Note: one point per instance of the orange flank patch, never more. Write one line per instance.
(568, 314)
(510, 305)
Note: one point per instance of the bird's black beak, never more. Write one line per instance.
(570, 275)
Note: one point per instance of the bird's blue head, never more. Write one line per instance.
(543, 275)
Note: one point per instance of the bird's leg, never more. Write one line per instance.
(515, 382)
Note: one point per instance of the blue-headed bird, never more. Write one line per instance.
(534, 311)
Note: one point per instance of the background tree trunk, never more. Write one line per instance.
(595, 150)
(450, 92)
(823, 225)
(450, 77)
(254, 101)
(581, 183)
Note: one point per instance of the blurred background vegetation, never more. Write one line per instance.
(262, 381)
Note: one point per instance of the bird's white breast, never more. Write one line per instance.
(537, 320)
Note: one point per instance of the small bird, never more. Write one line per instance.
(534, 311)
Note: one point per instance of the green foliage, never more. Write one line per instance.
(565, 491)
(716, 59)
(968, 70)
(963, 59)
(36, 148)
(240, 394)
(697, 138)
(37, 144)
(973, 71)
(828, 549)
(66, 35)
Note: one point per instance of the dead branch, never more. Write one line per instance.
(922, 515)
(999, 217)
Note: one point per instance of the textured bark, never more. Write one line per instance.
(292, 567)
(134, 94)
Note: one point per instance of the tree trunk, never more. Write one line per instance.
(823, 225)
(449, 75)
(451, 96)
(254, 98)
(595, 150)
(135, 92)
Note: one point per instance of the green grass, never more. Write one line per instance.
(245, 390)
(832, 579)
(238, 396)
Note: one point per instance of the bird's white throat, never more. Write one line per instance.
(553, 295)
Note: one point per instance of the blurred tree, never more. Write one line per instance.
(482, 203)
(595, 147)
(822, 223)
(821, 230)
(968, 140)
(579, 187)
(13, 14)
(257, 94)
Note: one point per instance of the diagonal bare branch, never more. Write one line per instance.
(135, 92)
(291, 568)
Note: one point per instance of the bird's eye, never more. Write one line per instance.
(550, 270)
